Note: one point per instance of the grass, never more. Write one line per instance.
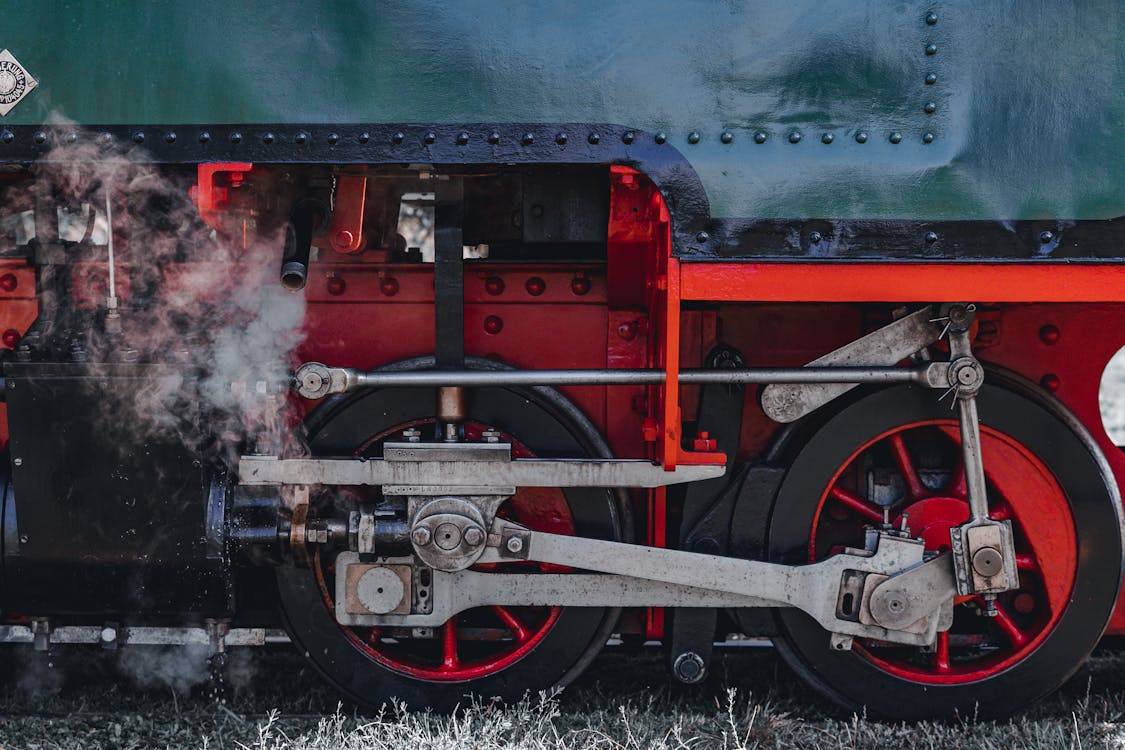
(623, 702)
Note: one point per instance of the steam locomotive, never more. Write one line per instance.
(458, 338)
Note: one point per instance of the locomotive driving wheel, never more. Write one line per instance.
(896, 453)
(486, 651)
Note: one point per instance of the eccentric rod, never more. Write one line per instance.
(315, 380)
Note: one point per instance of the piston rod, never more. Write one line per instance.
(315, 380)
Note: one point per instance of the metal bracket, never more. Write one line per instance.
(888, 345)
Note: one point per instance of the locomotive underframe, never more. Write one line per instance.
(628, 313)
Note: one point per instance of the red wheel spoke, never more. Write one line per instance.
(1000, 512)
(941, 654)
(449, 645)
(1027, 563)
(856, 503)
(1005, 622)
(512, 623)
(906, 467)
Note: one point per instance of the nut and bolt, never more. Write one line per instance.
(474, 536)
(412, 435)
(420, 536)
(490, 436)
(514, 545)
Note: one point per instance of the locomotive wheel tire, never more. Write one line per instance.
(855, 682)
(339, 428)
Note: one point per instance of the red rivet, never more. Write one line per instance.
(1024, 603)
(627, 330)
(97, 284)
(1051, 382)
(9, 282)
(336, 286)
(494, 285)
(1049, 334)
(344, 239)
(11, 338)
(493, 324)
(580, 285)
(389, 286)
(535, 286)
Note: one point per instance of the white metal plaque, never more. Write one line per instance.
(15, 82)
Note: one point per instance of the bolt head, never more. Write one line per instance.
(514, 545)
(474, 536)
(420, 536)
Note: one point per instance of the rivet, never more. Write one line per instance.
(931, 49)
(398, 138)
(40, 137)
(7, 136)
(1046, 237)
(827, 138)
(794, 137)
(71, 137)
(493, 325)
(333, 139)
(204, 137)
(927, 138)
(815, 238)
(105, 139)
(493, 137)
(364, 137)
(896, 137)
(494, 286)
(929, 108)
(17, 461)
(9, 282)
(24, 539)
(301, 138)
(580, 285)
(759, 137)
(336, 286)
(660, 137)
(11, 337)
(1049, 334)
(528, 139)
(726, 137)
(462, 138)
(702, 237)
(561, 139)
(169, 137)
(930, 237)
(627, 330)
(693, 137)
(343, 239)
(138, 137)
(267, 138)
(1051, 382)
(931, 18)
(535, 286)
(430, 137)
(388, 286)
(235, 137)
(593, 139)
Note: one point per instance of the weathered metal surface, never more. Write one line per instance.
(524, 472)
(836, 109)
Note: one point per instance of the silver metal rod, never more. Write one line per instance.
(972, 457)
(438, 378)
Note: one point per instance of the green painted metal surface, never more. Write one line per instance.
(1028, 107)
